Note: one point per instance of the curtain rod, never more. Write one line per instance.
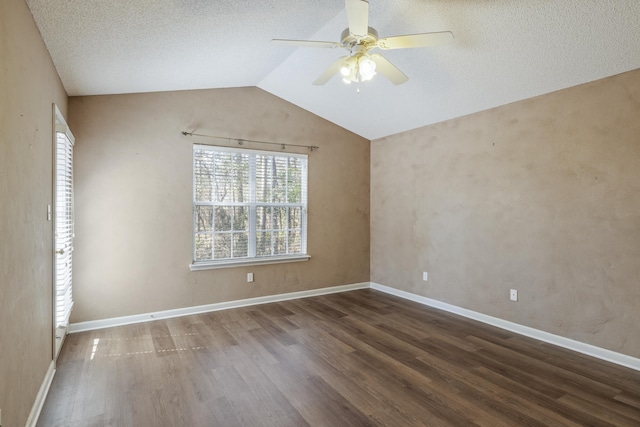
(242, 141)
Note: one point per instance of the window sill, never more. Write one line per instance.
(211, 265)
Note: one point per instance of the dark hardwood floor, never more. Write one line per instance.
(360, 358)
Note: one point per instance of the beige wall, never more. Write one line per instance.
(541, 196)
(133, 200)
(29, 85)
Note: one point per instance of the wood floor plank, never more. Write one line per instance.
(540, 400)
(277, 332)
(606, 413)
(628, 399)
(363, 389)
(544, 370)
(399, 363)
(249, 345)
(351, 359)
(316, 401)
(273, 406)
(447, 374)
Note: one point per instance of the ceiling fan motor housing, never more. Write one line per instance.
(370, 40)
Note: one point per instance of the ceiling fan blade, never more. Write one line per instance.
(387, 69)
(416, 40)
(330, 72)
(305, 43)
(358, 17)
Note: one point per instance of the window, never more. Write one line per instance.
(249, 207)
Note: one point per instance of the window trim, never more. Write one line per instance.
(256, 260)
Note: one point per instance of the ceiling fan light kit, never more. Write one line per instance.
(358, 67)
(358, 39)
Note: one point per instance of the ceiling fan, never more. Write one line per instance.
(359, 39)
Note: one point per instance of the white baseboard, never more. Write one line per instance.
(166, 314)
(42, 396)
(580, 347)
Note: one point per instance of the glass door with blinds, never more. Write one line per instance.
(63, 229)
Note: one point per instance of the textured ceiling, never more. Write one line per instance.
(504, 51)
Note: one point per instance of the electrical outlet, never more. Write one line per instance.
(425, 276)
(249, 280)
(513, 295)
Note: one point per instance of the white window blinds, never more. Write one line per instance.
(63, 226)
(248, 204)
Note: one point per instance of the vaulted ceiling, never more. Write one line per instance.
(504, 51)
